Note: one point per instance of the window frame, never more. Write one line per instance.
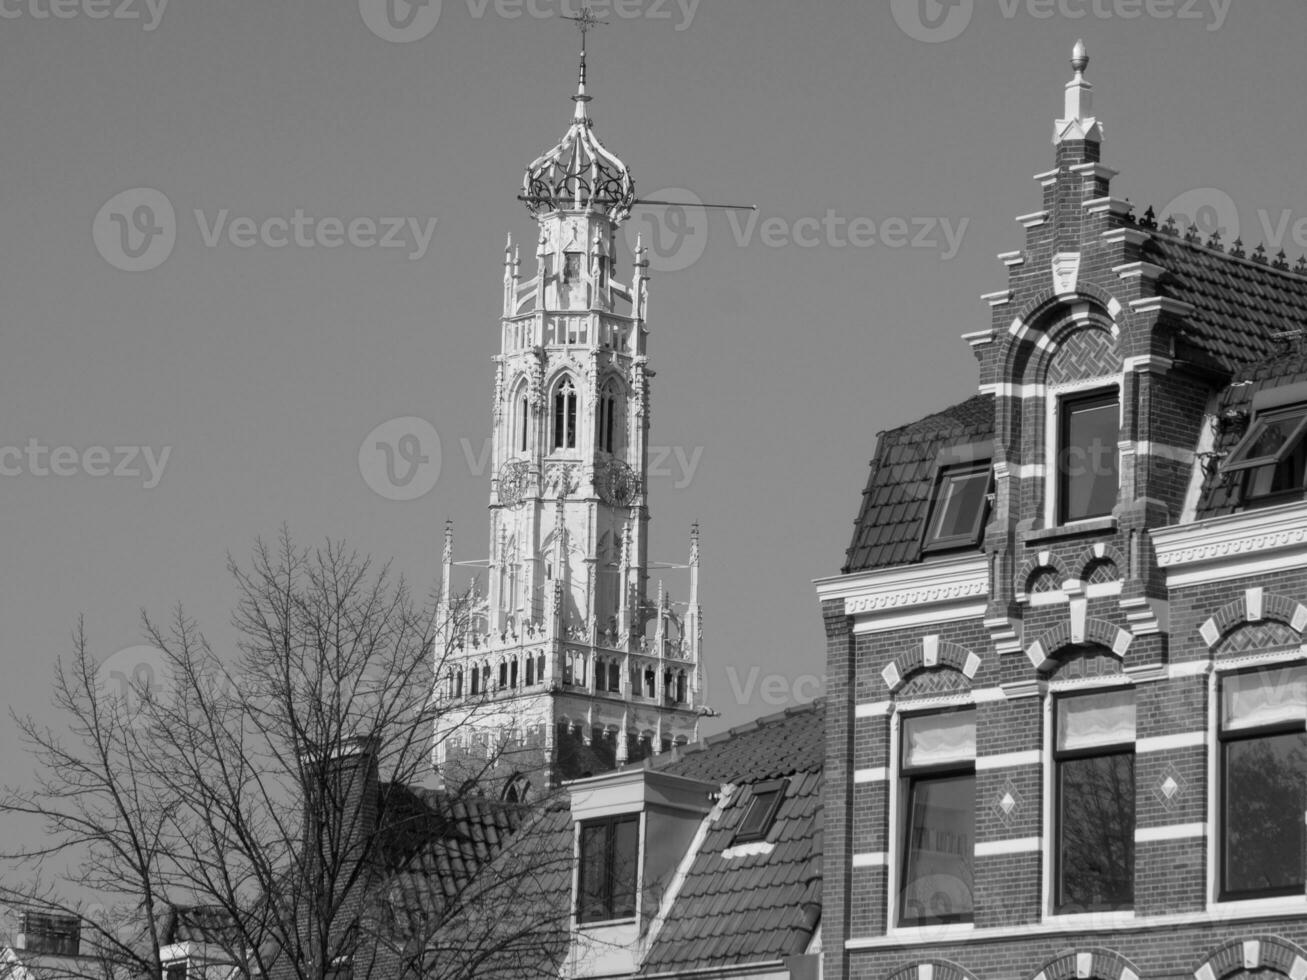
(1221, 892)
(932, 543)
(565, 415)
(1062, 404)
(1058, 905)
(767, 810)
(1238, 461)
(908, 778)
(611, 822)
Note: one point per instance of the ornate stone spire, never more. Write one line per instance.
(1078, 122)
(580, 174)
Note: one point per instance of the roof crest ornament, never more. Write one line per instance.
(1078, 122)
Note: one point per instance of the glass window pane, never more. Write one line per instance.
(626, 856)
(1268, 697)
(930, 740)
(1087, 458)
(959, 506)
(1096, 719)
(939, 851)
(1096, 833)
(1264, 804)
(594, 844)
(1267, 441)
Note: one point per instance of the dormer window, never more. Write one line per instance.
(610, 854)
(761, 814)
(959, 507)
(1088, 474)
(1272, 455)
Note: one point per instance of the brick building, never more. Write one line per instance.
(1067, 693)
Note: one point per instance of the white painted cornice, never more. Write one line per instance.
(1223, 547)
(890, 591)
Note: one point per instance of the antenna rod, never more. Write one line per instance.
(538, 199)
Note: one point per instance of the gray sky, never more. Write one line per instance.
(780, 351)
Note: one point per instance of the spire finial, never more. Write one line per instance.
(1079, 57)
(586, 21)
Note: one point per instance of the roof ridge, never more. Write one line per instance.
(1177, 239)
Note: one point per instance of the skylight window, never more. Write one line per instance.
(1273, 454)
(761, 813)
(959, 507)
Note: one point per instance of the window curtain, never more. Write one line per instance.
(1266, 698)
(935, 739)
(1096, 719)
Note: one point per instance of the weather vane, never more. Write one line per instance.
(586, 21)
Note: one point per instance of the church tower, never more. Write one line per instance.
(562, 663)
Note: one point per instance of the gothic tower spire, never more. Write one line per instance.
(567, 667)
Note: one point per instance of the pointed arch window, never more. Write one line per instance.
(608, 423)
(522, 417)
(565, 415)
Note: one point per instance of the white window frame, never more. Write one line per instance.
(898, 820)
(1053, 401)
(1281, 904)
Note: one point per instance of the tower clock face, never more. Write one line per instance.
(513, 479)
(616, 483)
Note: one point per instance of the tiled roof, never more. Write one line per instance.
(433, 846)
(1239, 305)
(763, 905)
(896, 500)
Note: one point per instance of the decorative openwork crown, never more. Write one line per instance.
(579, 174)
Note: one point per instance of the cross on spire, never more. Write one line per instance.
(586, 21)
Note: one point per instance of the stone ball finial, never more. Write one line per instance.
(1079, 57)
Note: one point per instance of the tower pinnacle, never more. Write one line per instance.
(1078, 122)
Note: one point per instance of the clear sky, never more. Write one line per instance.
(887, 145)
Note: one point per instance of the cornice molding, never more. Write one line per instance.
(1225, 540)
(869, 594)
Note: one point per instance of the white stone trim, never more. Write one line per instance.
(1008, 390)
(1177, 454)
(1175, 831)
(877, 593)
(872, 859)
(1008, 760)
(1013, 845)
(1247, 543)
(1000, 297)
(1033, 219)
(1165, 743)
(876, 774)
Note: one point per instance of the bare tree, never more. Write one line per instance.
(249, 786)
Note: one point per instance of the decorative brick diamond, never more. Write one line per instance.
(1008, 802)
(1170, 787)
